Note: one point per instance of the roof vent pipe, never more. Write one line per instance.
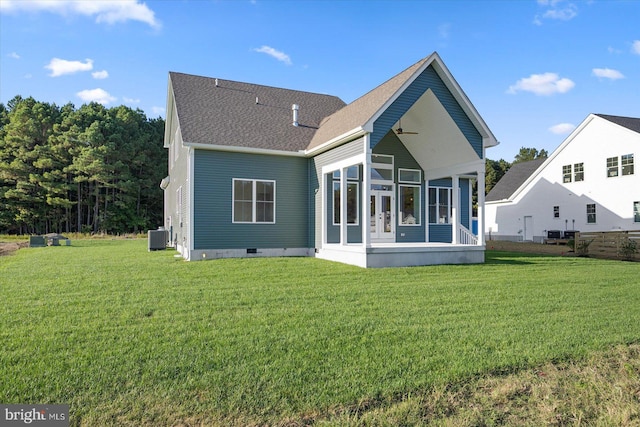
(216, 82)
(295, 108)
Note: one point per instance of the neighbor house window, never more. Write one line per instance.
(591, 213)
(578, 172)
(626, 162)
(556, 211)
(439, 205)
(636, 211)
(353, 201)
(566, 173)
(254, 201)
(612, 167)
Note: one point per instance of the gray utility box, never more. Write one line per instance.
(157, 240)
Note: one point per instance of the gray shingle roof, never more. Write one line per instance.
(628, 122)
(513, 179)
(228, 114)
(362, 109)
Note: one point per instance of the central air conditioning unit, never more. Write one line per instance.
(157, 239)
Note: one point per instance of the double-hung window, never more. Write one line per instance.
(578, 172)
(566, 173)
(591, 213)
(439, 205)
(556, 211)
(353, 201)
(254, 201)
(409, 199)
(626, 161)
(612, 167)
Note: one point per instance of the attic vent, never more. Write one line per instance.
(257, 101)
(295, 108)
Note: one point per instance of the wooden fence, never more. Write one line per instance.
(609, 244)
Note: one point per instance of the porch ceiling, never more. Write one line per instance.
(439, 142)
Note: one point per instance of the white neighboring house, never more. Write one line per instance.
(589, 183)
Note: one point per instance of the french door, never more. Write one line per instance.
(382, 216)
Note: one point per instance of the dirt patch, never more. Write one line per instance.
(533, 248)
(7, 248)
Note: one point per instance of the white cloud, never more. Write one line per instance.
(635, 47)
(607, 73)
(131, 100)
(562, 128)
(14, 55)
(100, 96)
(542, 84)
(280, 56)
(556, 10)
(61, 67)
(99, 75)
(108, 11)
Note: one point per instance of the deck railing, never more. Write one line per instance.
(466, 237)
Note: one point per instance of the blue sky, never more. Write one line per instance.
(534, 69)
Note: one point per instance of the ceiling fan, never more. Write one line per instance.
(401, 131)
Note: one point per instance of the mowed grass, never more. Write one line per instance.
(130, 337)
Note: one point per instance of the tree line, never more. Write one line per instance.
(96, 169)
(89, 169)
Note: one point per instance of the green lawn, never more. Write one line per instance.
(127, 336)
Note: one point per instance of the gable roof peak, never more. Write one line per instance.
(631, 123)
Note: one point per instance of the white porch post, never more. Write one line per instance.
(455, 209)
(481, 183)
(366, 195)
(343, 206)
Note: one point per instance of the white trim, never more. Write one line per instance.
(418, 222)
(460, 169)
(245, 150)
(419, 181)
(333, 198)
(190, 183)
(455, 208)
(366, 195)
(338, 140)
(254, 201)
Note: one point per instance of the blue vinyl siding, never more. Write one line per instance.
(428, 79)
(212, 201)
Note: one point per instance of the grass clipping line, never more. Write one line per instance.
(603, 389)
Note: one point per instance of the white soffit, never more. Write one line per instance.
(439, 142)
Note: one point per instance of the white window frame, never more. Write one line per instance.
(612, 167)
(386, 166)
(409, 181)
(578, 173)
(626, 162)
(594, 213)
(350, 182)
(636, 211)
(566, 174)
(556, 212)
(254, 201)
(439, 204)
(417, 218)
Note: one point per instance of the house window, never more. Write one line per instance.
(578, 172)
(409, 204)
(353, 201)
(626, 162)
(439, 205)
(254, 201)
(409, 176)
(612, 167)
(591, 213)
(566, 173)
(636, 211)
(556, 211)
(410, 196)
